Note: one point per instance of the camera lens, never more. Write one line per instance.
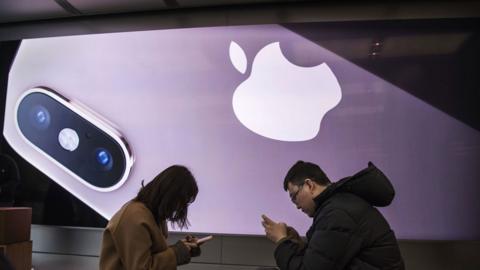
(104, 159)
(40, 117)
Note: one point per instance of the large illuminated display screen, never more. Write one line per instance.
(239, 105)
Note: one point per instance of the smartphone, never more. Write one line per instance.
(204, 239)
(101, 113)
(239, 105)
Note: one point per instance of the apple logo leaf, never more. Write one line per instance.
(282, 101)
(238, 57)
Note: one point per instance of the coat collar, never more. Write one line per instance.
(325, 195)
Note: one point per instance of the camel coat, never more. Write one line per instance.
(132, 240)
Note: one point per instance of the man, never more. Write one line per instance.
(347, 231)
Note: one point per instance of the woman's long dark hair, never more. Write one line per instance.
(169, 194)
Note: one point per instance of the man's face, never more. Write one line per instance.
(302, 196)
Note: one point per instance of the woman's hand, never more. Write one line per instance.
(192, 245)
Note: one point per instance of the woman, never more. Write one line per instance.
(135, 237)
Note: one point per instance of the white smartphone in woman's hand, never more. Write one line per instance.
(204, 239)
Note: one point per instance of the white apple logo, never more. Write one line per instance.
(280, 100)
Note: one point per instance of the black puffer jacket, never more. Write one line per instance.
(347, 231)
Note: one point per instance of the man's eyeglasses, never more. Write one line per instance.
(293, 196)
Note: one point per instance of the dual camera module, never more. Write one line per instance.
(81, 143)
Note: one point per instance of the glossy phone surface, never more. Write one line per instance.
(238, 106)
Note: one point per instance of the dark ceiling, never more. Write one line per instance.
(28, 10)
(14, 11)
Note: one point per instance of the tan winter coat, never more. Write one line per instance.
(132, 240)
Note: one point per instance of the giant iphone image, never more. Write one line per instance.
(101, 113)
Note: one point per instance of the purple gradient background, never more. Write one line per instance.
(170, 93)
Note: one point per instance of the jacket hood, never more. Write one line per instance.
(370, 184)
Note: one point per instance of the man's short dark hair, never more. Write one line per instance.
(303, 170)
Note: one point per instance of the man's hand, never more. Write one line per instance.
(274, 231)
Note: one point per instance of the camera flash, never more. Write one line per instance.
(68, 139)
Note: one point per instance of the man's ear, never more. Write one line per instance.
(309, 183)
